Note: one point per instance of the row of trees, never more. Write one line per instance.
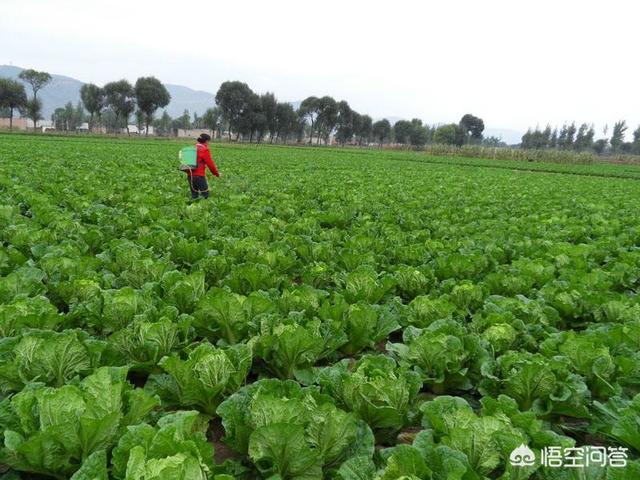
(123, 99)
(69, 118)
(238, 110)
(253, 116)
(582, 139)
(14, 97)
(166, 125)
(119, 99)
(250, 116)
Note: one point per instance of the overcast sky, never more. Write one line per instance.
(514, 63)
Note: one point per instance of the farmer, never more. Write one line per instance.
(197, 176)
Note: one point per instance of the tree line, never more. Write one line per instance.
(238, 113)
(582, 139)
(252, 116)
(14, 97)
(117, 100)
(242, 114)
(238, 110)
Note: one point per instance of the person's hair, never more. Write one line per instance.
(204, 137)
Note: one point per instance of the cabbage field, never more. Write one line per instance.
(326, 314)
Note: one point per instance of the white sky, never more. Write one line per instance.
(514, 63)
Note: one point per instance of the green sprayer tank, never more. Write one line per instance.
(188, 156)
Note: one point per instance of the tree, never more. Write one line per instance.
(402, 131)
(108, 117)
(493, 142)
(344, 125)
(233, 99)
(525, 142)
(69, 117)
(269, 105)
(120, 96)
(419, 134)
(309, 110)
(163, 124)
(259, 117)
(571, 132)
(357, 125)
(252, 120)
(299, 126)
(151, 94)
(635, 146)
(327, 117)
(546, 137)
(37, 80)
(33, 110)
(539, 139)
(80, 114)
(553, 140)
(93, 98)
(286, 120)
(599, 146)
(58, 118)
(566, 136)
(584, 138)
(365, 129)
(450, 134)
(472, 127)
(617, 136)
(140, 119)
(562, 137)
(184, 121)
(12, 96)
(381, 131)
(211, 118)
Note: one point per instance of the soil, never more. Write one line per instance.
(408, 435)
(221, 451)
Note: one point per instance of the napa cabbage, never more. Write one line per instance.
(204, 378)
(291, 431)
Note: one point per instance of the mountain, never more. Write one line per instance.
(185, 98)
(66, 89)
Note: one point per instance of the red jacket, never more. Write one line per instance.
(204, 160)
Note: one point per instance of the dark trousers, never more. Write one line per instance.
(198, 186)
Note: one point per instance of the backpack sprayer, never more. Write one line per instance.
(188, 157)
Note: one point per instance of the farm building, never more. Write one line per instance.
(25, 124)
(134, 130)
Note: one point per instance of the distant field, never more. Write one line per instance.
(327, 313)
(604, 168)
